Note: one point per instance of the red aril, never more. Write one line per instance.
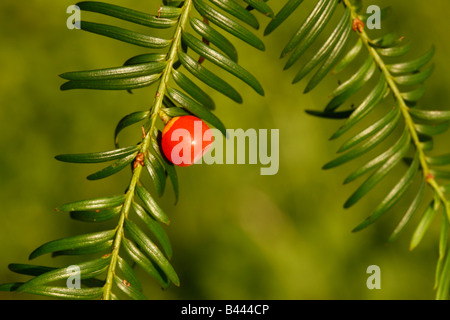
(184, 141)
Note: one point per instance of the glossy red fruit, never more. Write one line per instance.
(185, 140)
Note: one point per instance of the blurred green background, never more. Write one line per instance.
(236, 234)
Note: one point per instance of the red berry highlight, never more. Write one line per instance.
(185, 140)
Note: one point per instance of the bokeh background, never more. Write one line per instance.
(236, 234)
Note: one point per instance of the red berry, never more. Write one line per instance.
(184, 140)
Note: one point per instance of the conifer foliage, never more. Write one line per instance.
(201, 31)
